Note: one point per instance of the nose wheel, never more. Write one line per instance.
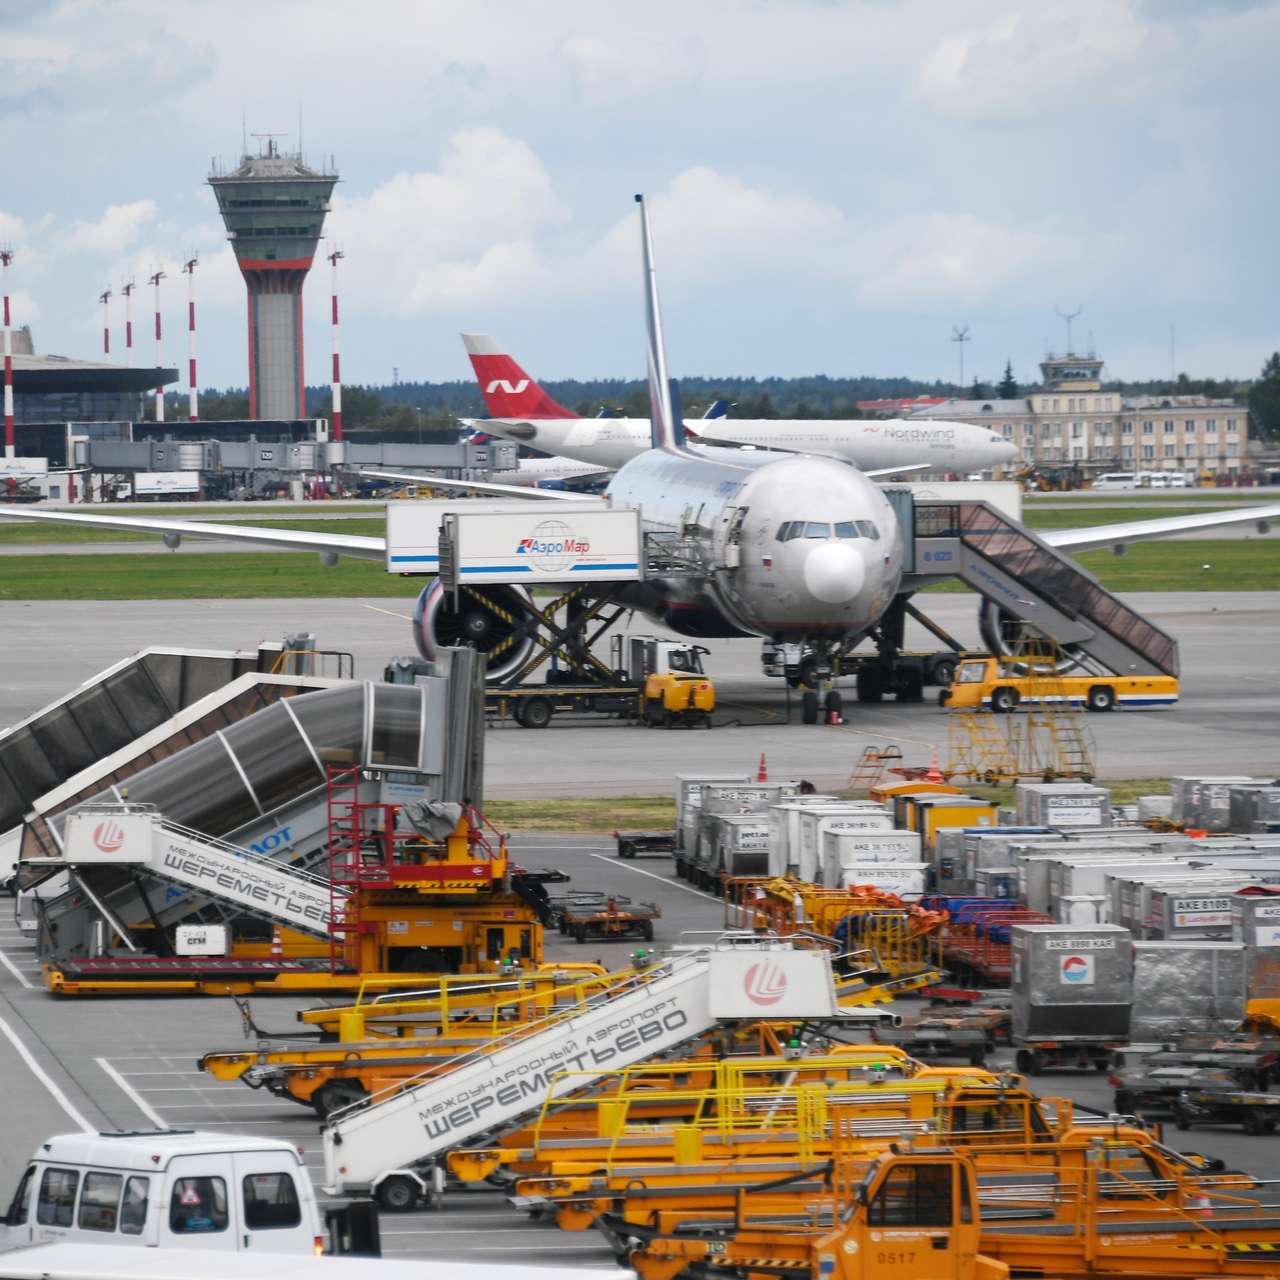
(821, 701)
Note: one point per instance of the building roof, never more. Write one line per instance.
(42, 375)
(980, 409)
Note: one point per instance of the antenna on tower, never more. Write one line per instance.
(244, 130)
(1069, 317)
(960, 335)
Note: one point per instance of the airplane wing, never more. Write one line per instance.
(1119, 535)
(173, 531)
(897, 471)
(480, 486)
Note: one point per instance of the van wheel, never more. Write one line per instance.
(809, 707)
(398, 1194)
(537, 714)
(1102, 697)
(1004, 699)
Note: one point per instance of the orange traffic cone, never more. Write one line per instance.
(763, 775)
(934, 774)
(277, 946)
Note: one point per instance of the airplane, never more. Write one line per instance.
(523, 411)
(797, 548)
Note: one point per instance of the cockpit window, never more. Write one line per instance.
(797, 530)
(815, 530)
(868, 530)
(782, 530)
(847, 529)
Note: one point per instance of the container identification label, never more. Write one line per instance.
(1080, 944)
(1198, 913)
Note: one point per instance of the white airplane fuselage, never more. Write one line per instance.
(835, 579)
(948, 448)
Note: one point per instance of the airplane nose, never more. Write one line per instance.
(834, 572)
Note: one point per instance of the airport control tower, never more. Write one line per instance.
(274, 207)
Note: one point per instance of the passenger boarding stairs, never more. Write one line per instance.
(402, 1130)
(118, 845)
(1025, 580)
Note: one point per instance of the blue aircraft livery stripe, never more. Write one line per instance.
(414, 559)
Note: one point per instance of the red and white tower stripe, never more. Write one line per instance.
(155, 280)
(127, 290)
(337, 375)
(10, 444)
(190, 269)
(105, 299)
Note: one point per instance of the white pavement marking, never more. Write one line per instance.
(133, 1095)
(45, 1079)
(17, 973)
(627, 867)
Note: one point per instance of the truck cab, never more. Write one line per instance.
(165, 1188)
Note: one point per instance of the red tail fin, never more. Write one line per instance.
(508, 391)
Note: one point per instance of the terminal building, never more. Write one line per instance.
(1073, 421)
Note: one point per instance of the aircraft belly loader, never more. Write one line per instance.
(376, 1146)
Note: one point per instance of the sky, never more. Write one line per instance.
(836, 185)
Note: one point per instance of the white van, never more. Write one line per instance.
(166, 1188)
(1116, 480)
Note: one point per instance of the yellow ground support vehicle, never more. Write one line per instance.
(1096, 1200)
(375, 1045)
(381, 1042)
(998, 684)
(877, 932)
(676, 689)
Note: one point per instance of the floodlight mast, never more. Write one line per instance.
(155, 280)
(10, 443)
(189, 269)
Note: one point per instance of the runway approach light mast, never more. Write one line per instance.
(273, 206)
(10, 446)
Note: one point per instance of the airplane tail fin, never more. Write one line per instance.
(664, 398)
(508, 391)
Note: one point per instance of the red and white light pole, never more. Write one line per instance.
(127, 290)
(10, 446)
(337, 376)
(155, 280)
(190, 269)
(105, 299)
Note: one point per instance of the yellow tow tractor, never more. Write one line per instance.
(676, 689)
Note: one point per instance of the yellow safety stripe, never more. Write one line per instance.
(1259, 1246)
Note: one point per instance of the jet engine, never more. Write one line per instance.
(493, 619)
(1006, 636)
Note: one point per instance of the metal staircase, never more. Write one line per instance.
(1026, 581)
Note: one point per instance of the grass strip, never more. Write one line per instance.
(1252, 565)
(604, 815)
(262, 576)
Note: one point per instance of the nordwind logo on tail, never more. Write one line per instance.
(509, 388)
(765, 983)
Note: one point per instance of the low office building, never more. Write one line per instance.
(1073, 421)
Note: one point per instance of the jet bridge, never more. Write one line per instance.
(1022, 579)
(400, 1132)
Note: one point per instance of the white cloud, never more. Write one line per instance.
(931, 259)
(118, 227)
(1050, 58)
(613, 76)
(456, 237)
